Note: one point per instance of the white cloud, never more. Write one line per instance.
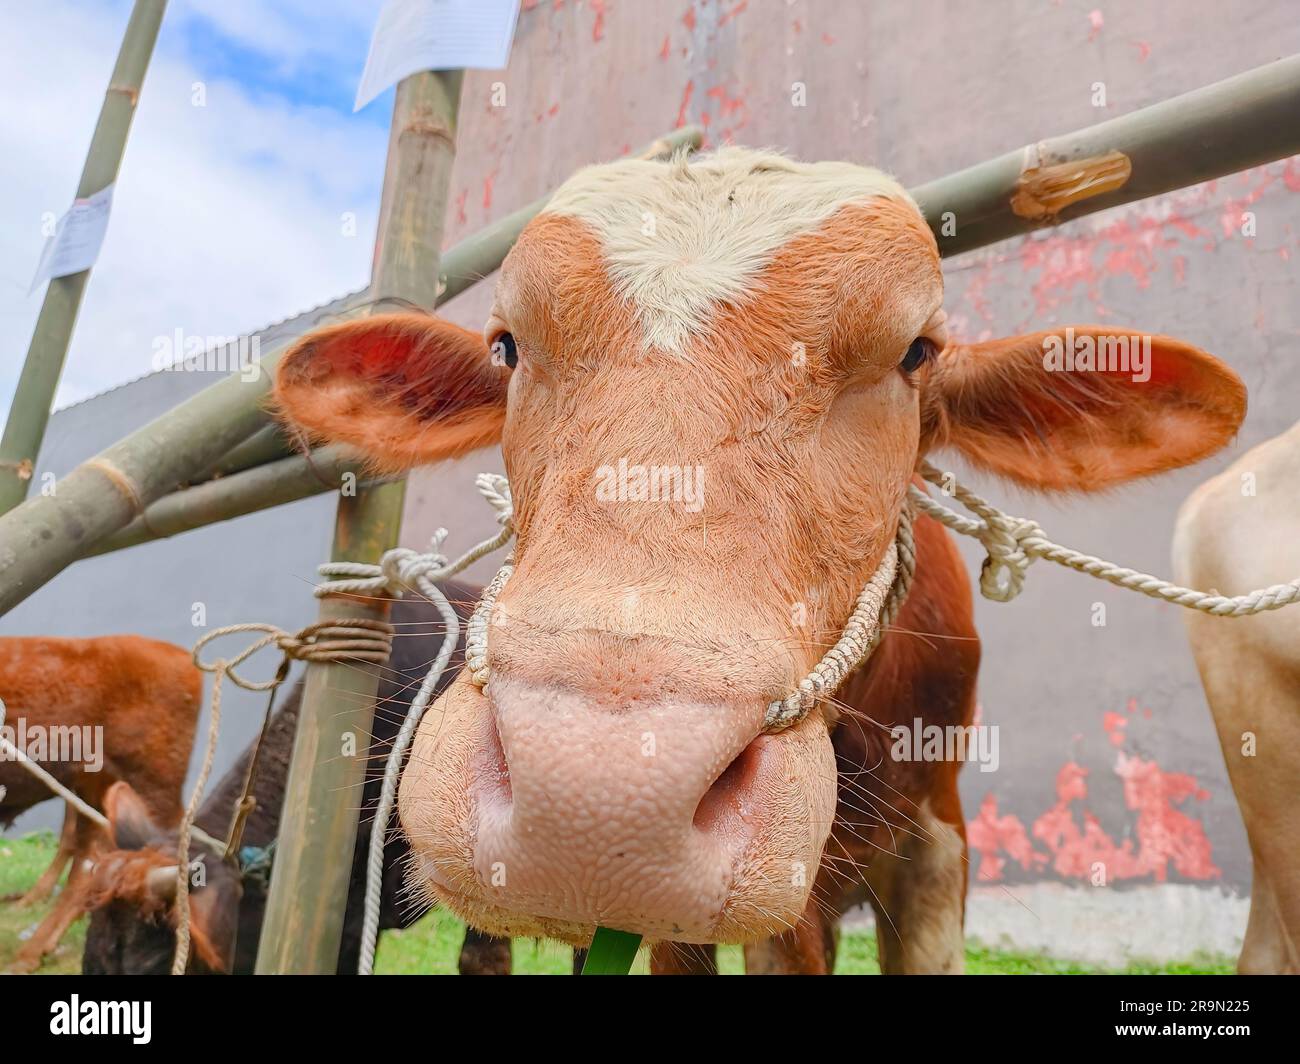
(225, 217)
(294, 30)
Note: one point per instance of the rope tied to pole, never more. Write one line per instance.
(356, 639)
(398, 570)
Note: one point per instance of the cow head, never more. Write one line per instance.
(132, 921)
(711, 382)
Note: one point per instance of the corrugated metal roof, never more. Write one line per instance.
(269, 335)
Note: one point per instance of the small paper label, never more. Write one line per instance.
(415, 35)
(75, 243)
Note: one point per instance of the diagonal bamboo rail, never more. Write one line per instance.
(29, 412)
(104, 495)
(1231, 125)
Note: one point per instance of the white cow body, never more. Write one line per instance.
(1237, 532)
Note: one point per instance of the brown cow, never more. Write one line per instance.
(712, 382)
(92, 712)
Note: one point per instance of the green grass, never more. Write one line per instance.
(433, 944)
(21, 863)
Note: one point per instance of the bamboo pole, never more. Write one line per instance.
(29, 412)
(1231, 125)
(102, 496)
(313, 861)
(329, 468)
(267, 444)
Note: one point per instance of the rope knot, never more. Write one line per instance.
(401, 567)
(1003, 573)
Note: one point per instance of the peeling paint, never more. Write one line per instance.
(1070, 840)
(598, 27)
(733, 12)
(687, 93)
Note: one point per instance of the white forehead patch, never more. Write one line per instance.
(681, 237)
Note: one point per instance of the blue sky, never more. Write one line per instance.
(226, 216)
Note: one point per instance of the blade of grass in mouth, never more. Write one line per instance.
(611, 952)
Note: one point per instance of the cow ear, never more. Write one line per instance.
(1043, 412)
(214, 923)
(132, 824)
(403, 389)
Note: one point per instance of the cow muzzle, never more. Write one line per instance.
(538, 810)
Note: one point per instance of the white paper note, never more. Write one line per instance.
(415, 35)
(74, 245)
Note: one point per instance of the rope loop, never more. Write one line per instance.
(1002, 574)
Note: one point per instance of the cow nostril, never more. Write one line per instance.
(727, 799)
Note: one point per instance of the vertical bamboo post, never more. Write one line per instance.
(313, 863)
(30, 410)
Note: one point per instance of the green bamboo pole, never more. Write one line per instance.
(267, 444)
(102, 496)
(313, 862)
(329, 468)
(1231, 125)
(30, 410)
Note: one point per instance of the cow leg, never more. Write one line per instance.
(483, 954)
(1259, 731)
(70, 905)
(1265, 948)
(683, 958)
(44, 886)
(919, 897)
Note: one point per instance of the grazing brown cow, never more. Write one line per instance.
(92, 712)
(1237, 532)
(712, 381)
(132, 925)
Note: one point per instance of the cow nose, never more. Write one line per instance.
(633, 815)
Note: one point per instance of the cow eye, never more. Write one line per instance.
(504, 351)
(919, 353)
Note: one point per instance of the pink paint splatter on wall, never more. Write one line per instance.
(598, 27)
(990, 836)
(687, 93)
(1072, 841)
(728, 15)
(1096, 20)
